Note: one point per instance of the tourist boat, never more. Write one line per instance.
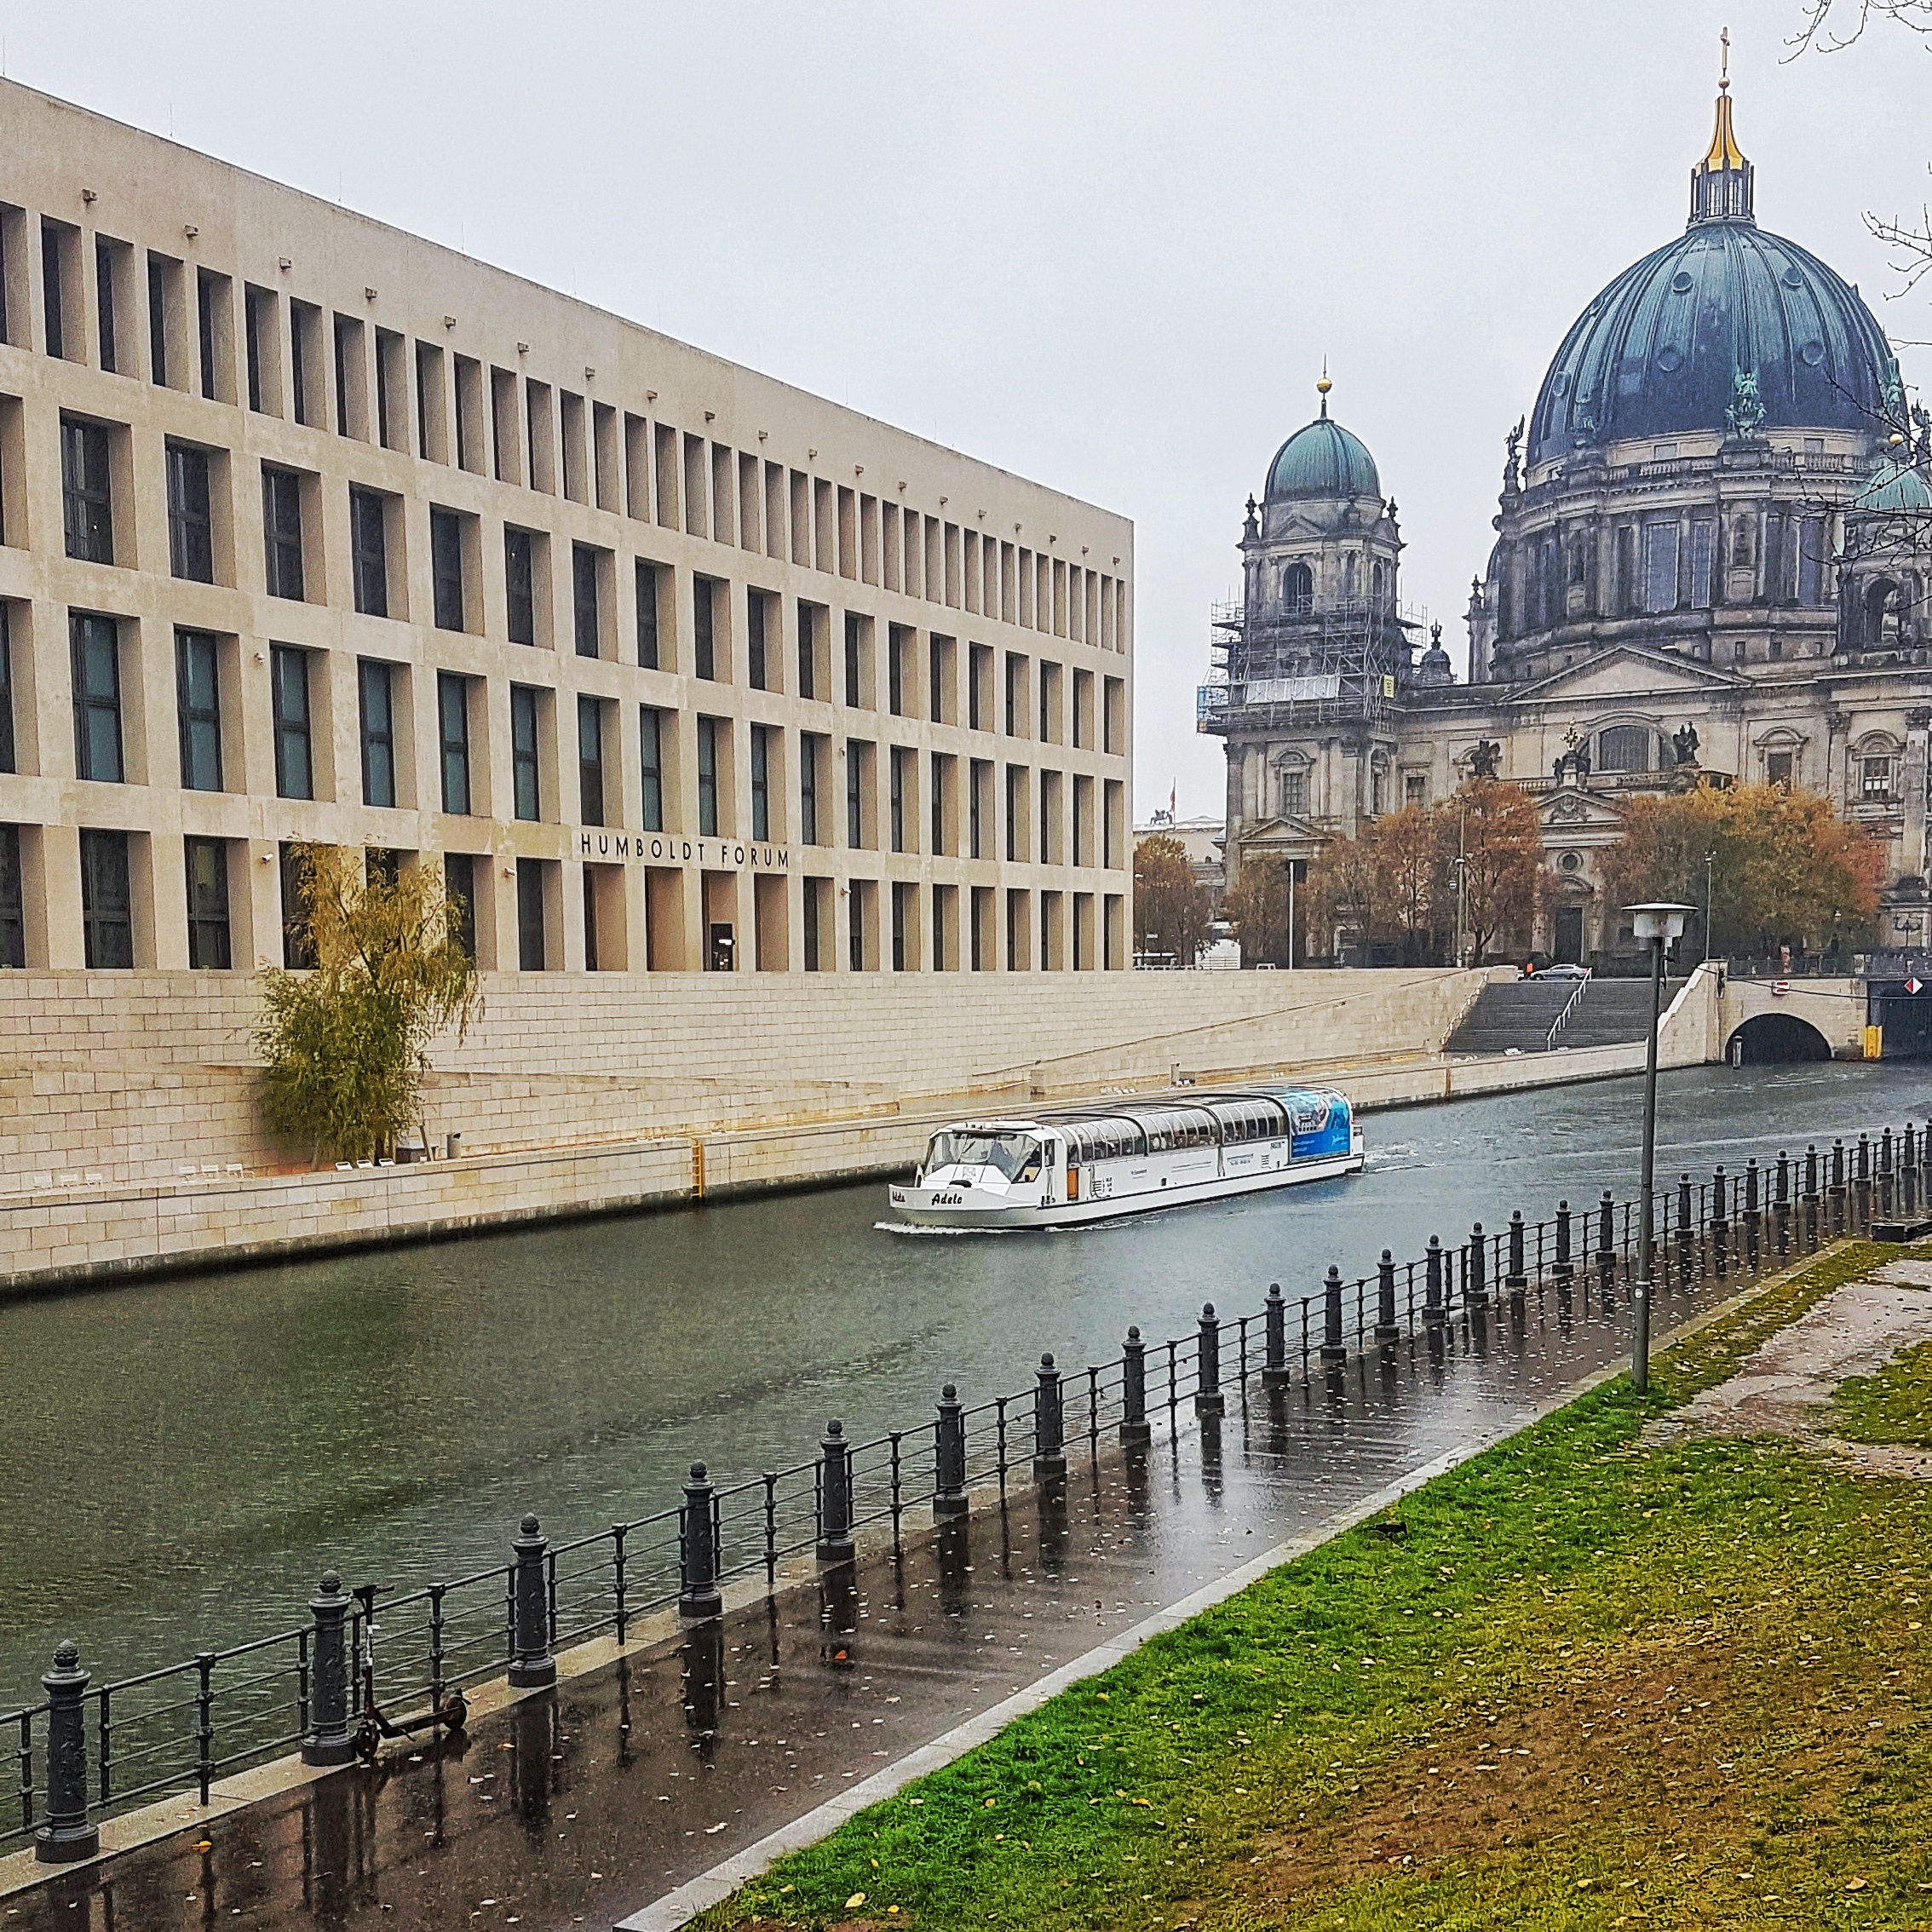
(1094, 1163)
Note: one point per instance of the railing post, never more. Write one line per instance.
(1908, 1171)
(1606, 1245)
(949, 1457)
(1781, 1206)
(531, 1666)
(1720, 1226)
(1517, 1278)
(1752, 1215)
(66, 1836)
(1838, 1191)
(1861, 1192)
(1134, 1427)
(1686, 1235)
(1477, 1281)
(1387, 1330)
(1810, 1198)
(699, 1594)
(1564, 1269)
(1888, 1205)
(1333, 1350)
(328, 1740)
(1274, 1368)
(1208, 1398)
(1050, 1425)
(1433, 1314)
(836, 1545)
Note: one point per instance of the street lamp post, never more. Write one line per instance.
(1292, 868)
(1662, 924)
(1710, 860)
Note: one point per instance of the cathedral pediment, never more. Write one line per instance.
(1623, 671)
(1570, 812)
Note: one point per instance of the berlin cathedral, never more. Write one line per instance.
(1714, 546)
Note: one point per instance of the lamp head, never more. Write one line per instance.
(1659, 919)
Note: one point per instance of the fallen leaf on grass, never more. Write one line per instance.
(853, 1903)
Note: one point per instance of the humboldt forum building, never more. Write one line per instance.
(311, 530)
(1714, 544)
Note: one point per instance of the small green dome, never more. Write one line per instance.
(1322, 460)
(1895, 485)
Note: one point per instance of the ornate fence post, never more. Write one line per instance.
(1050, 1427)
(1752, 1213)
(1720, 1226)
(1908, 1171)
(1564, 1269)
(66, 1836)
(1134, 1427)
(1333, 1350)
(1388, 1330)
(328, 1740)
(1781, 1206)
(1517, 1278)
(1433, 1314)
(1605, 1246)
(1208, 1398)
(949, 1457)
(1685, 1237)
(1274, 1368)
(1861, 1192)
(533, 1667)
(1478, 1277)
(699, 1594)
(1837, 1192)
(835, 1543)
(1810, 1198)
(1887, 1202)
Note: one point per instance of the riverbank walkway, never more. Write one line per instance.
(637, 1791)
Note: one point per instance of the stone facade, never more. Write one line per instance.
(312, 530)
(1713, 560)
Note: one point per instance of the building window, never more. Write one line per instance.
(755, 609)
(526, 766)
(13, 900)
(530, 915)
(198, 702)
(898, 893)
(1015, 779)
(704, 614)
(854, 795)
(103, 302)
(446, 568)
(298, 942)
(896, 670)
(519, 586)
(1661, 566)
(648, 654)
(205, 289)
(96, 651)
(1778, 769)
(852, 680)
(590, 761)
(87, 494)
(708, 778)
(808, 752)
(452, 714)
(810, 907)
(107, 902)
(191, 533)
(1415, 789)
(459, 888)
(1294, 792)
(760, 781)
(1810, 559)
(1875, 780)
(1297, 588)
(808, 660)
(855, 925)
(368, 547)
(938, 803)
(157, 319)
(288, 680)
(281, 522)
(1015, 678)
(980, 774)
(1624, 748)
(935, 684)
(376, 693)
(651, 762)
(208, 940)
(583, 600)
(1702, 540)
(54, 239)
(8, 758)
(898, 806)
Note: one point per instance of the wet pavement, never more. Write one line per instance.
(582, 1805)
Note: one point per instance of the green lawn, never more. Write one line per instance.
(1591, 1684)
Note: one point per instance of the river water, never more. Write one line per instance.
(180, 1460)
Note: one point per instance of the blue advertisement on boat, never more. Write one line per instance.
(1320, 1123)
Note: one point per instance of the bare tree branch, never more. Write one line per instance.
(1829, 26)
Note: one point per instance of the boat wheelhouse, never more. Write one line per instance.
(1094, 1164)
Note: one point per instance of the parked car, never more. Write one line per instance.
(1564, 969)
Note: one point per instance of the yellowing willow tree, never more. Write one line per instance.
(1784, 869)
(344, 1045)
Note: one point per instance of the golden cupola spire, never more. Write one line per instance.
(1722, 184)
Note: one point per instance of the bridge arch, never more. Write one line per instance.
(1768, 1038)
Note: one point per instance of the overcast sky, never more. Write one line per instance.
(1107, 246)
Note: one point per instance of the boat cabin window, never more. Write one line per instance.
(1014, 1155)
(1245, 1120)
(1116, 1139)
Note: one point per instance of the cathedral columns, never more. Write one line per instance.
(1911, 858)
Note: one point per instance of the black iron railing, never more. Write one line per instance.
(409, 1656)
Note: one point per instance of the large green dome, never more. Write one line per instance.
(1322, 460)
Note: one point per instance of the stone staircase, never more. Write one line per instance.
(1523, 1015)
(1614, 1012)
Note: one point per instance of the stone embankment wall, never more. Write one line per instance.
(129, 1141)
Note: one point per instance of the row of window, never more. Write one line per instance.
(341, 371)
(1077, 707)
(1050, 929)
(463, 715)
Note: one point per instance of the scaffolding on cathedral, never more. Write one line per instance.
(1283, 669)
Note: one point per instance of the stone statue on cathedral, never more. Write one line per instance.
(1744, 413)
(1684, 742)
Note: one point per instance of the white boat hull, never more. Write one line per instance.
(968, 1208)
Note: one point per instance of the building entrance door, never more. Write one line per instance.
(1569, 935)
(721, 949)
